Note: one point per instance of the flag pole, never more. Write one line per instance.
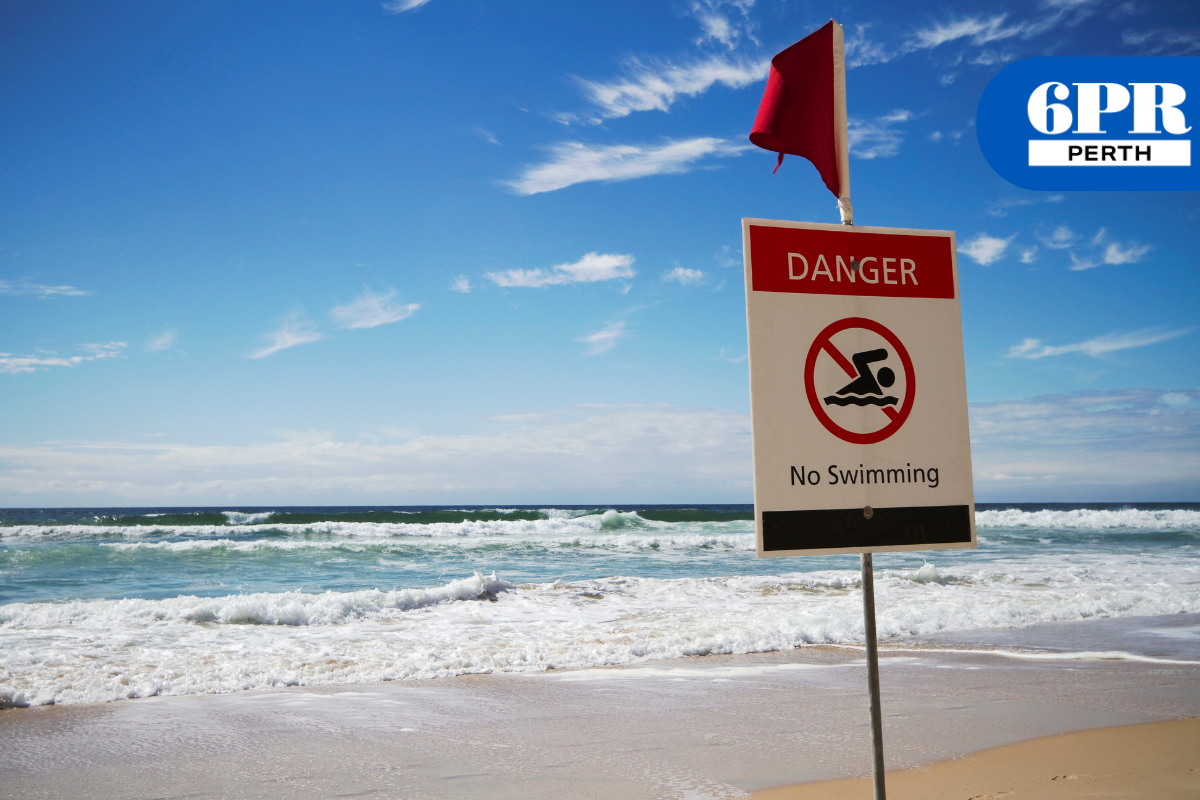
(839, 124)
(868, 570)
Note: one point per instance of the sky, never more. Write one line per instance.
(469, 251)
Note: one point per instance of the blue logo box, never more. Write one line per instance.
(1101, 124)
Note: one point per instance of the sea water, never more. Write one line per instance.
(106, 604)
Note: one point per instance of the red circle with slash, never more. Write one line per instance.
(822, 342)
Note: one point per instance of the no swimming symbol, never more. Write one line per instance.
(866, 387)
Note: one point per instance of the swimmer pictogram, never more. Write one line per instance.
(865, 389)
(868, 385)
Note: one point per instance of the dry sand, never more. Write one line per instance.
(1155, 761)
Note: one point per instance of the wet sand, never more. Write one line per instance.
(710, 727)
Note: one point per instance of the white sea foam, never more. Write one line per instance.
(562, 529)
(99, 650)
(1174, 519)
(627, 542)
(563, 526)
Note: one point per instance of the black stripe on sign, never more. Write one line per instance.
(829, 528)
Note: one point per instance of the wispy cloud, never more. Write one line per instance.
(24, 287)
(13, 364)
(656, 87)
(1115, 254)
(726, 257)
(1060, 238)
(1029, 255)
(862, 52)
(575, 162)
(683, 276)
(1110, 343)
(877, 138)
(591, 268)
(726, 22)
(977, 30)
(1079, 264)
(461, 284)
(295, 330)
(400, 6)
(604, 339)
(487, 136)
(639, 452)
(1001, 207)
(986, 249)
(1106, 252)
(1087, 446)
(370, 311)
(1162, 42)
(162, 341)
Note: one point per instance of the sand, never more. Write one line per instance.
(705, 728)
(1155, 761)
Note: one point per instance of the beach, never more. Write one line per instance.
(632, 652)
(703, 727)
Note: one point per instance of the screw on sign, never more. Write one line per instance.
(867, 386)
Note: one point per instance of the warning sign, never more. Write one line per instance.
(848, 455)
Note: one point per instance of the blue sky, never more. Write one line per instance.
(484, 252)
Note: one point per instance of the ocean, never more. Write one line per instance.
(109, 604)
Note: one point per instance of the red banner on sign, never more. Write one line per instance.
(849, 262)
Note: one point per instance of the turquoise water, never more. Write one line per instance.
(101, 604)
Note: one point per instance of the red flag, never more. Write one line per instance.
(803, 110)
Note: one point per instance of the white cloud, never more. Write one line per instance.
(604, 339)
(683, 276)
(1079, 264)
(24, 287)
(990, 58)
(1001, 207)
(461, 284)
(400, 6)
(589, 454)
(719, 26)
(1131, 443)
(1163, 42)
(657, 87)
(1114, 254)
(977, 29)
(936, 136)
(1101, 345)
(1029, 255)
(487, 136)
(13, 364)
(725, 257)
(163, 341)
(293, 331)
(986, 249)
(862, 52)
(370, 311)
(948, 78)
(1060, 238)
(591, 268)
(574, 162)
(877, 138)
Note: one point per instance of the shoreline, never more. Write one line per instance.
(1153, 760)
(714, 727)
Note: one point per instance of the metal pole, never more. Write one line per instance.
(868, 584)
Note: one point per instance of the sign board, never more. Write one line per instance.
(857, 389)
